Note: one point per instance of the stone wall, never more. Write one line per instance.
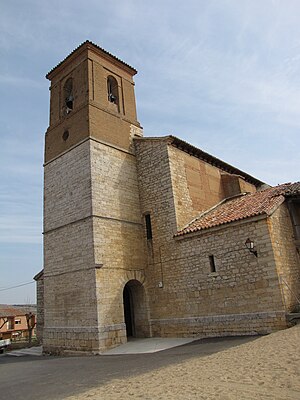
(118, 236)
(243, 287)
(93, 246)
(40, 308)
(67, 188)
(69, 266)
(155, 188)
(286, 257)
(185, 297)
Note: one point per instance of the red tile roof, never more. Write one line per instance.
(11, 311)
(244, 206)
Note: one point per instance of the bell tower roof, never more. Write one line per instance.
(88, 45)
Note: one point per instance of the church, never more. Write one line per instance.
(152, 236)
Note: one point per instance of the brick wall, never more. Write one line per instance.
(92, 115)
(197, 185)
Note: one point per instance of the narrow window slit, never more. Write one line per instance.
(148, 226)
(212, 263)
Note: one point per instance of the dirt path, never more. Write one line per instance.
(267, 368)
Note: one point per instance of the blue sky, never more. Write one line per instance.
(223, 75)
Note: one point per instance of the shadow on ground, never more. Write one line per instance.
(55, 378)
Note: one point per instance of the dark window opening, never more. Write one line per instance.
(68, 95)
(212, 264)
(112, 90)
(128, 311)
(148, 226)
(65, 135)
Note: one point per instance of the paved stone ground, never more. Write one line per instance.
(54, 378)
(133, 346)
(150, 345)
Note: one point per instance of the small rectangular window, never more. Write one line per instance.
(212, 263)
(148, 226)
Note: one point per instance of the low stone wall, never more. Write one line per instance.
(92, 340)
(220, 325)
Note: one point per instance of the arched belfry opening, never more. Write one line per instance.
(68, 95)
(112, 90)
(135, 310)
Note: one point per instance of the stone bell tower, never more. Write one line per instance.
(93, 233)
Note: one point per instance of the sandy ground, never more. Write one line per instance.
(267, 368)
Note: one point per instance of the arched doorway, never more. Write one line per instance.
(135, 310)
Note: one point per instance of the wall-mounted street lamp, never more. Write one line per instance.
(250, 246)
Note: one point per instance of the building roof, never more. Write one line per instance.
(261, 203)
(94, 46)
(202, 155)
(12, 311)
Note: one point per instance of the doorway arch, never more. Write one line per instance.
(135, 310)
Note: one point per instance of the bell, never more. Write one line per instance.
(69, 102)
(112, 98)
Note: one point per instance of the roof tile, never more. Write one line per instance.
(241, 207)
